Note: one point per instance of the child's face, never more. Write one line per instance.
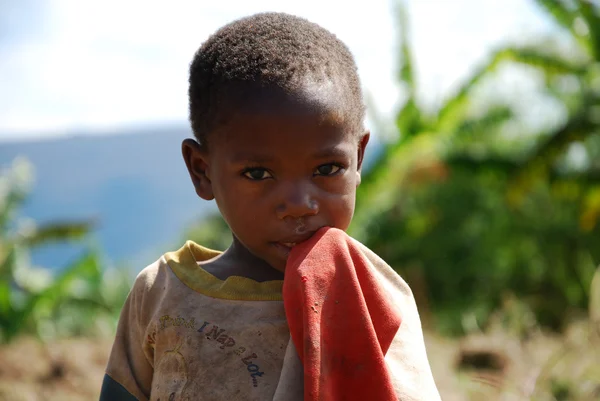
(277, 177)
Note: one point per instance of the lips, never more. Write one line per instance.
(292, 241)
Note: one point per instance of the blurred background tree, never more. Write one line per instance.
(212, 232)
(82, 298)
(478, 210)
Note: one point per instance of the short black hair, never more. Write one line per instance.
(268, 49)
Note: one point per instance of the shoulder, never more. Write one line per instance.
(151, 286)
(385, 272)
(149, 277)
(158, 274)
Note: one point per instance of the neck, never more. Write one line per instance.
(248, 265)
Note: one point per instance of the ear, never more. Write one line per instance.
(362, 145)
(196, 160)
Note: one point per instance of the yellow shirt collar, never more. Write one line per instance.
(184, 263)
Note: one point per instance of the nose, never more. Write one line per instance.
(297, 201)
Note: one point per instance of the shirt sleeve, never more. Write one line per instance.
(113, 391)
(130, 366)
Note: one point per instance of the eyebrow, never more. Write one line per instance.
(335, 151)
(252, 157)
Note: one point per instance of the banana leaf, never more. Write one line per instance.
(58, 231)
(566, 17)
(86, 267)
(589, 11)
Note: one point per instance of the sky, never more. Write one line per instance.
(68, 66)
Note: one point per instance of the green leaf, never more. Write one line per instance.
(16, 182)
(409, 118)
(86, 267)
(589, 12)
(470, 163)
(6, 309)
(575, 129)
(559, 12)
(452, 112)
(409, 122)
(550, 63)
(11, 202)
(7, 266)
(58, 231)
(212, 232)
(490, 121)
(378, 192)
(566, 17)
(405, 67)
(587, 178)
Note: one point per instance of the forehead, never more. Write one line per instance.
(283, 135)
(309, 96)
(310, 115)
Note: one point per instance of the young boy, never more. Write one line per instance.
(277, 112)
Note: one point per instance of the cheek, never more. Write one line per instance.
(242, 211)
(344, 212)
(339, 205)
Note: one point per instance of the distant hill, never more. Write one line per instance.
(134, 183)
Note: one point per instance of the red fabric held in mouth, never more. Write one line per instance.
(340, 319)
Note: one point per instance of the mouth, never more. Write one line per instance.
(285, 246)
(290, 242)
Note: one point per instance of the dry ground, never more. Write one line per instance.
(495, 367)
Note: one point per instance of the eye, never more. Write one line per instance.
(327, 169)
(257, 174)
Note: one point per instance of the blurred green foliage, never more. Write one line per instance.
(211, 232)
(480, 209)
(81, 298)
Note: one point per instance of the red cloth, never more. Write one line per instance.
(340, 320)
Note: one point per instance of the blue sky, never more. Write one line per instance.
(69, 65)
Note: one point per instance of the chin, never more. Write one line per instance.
(279, 266)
